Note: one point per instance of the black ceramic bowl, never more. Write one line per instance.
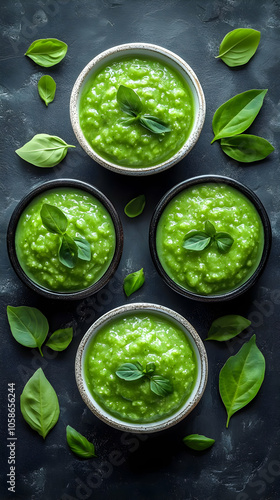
(101, 282)
(203, 179)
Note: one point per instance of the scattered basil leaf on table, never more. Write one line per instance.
(237, 114)
(199, 240)
(60, 339)
(133, 281)
(46, 89)
(53, 219)
(135, 206)
(159, 385)
(246, 148)
(130, 371)
(198, 442)
(68, 252)
(39, 404)
(79, 444)
(241, 377)
(238, 46)
(47, 52)
(44, 150)
(28, 325)
(84, 250)
(227, 327)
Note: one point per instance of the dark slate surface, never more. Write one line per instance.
(244, 463)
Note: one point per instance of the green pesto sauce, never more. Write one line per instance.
(144, 337)
(208, 272)
(164, 94)
(37, 249)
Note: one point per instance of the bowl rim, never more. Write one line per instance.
(198, 121)
(202, 179)
(181, 413)
(24, 202)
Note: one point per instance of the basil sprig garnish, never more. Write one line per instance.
(134, 371)
(70, 249)
(131, 104)
(199, 240)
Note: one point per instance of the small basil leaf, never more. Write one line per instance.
(68, 252)
(39, 404)
(79, 444)
(160, 385)
(129, 101)
(130, 371)
(246, 148)
(135, 206)
(227, 327)
(236, 115)
(44, 150)
(154, 124)
(196, 241)
(198, 442)
(209, 228)
(47, 52)
(224, 242)
(132, 282)
(84, 249)
(238, 46)
(53, 219)
(60, 339)
(28, 325)
(128, 121)
(46, 89)
(150, 368)
(241, 377)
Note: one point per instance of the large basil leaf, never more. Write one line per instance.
(198, 442)
(47, 52)
(246, 148)
(196, 240)
(154, 124)
(236, 115)
(39, 404)
(84, 248)
(130, 371)
(238, 46)
(28, 326)
(135, 206)
(224, 242)
(227, 327)
(44, 150)
(60, 339)
(68, 252)
(79, 444)
(129, 101)
(53, 219)
(241, 377)
(132, 282)
(46, 89)
(160, 385)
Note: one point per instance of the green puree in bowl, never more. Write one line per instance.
(143, 337)
(209, 272)
(37, 248)
(164, 94)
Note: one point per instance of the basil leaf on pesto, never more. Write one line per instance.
(53, 219)
(160, 385)
(44, 150)
(132, 282)
(28, 325)
(68, 252)
(130, 371)
(246, 148)
(84, 249)
(199, 240)
(129, 101)
(135, 206)
(79, 444)
(238, 46)
(227, 327)
(46, 89)
(196, 241)
(224, 242)
(198, 442)
(210, 228)
(154, 124)
(60, 339)
(47, 52)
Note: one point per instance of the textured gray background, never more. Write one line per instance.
(244, 463)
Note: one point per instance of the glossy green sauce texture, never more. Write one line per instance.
(37, 249)
(164, 94)
(142, 337)
(210, 272)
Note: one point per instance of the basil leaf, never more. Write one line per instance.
(210, 228)
(39, 404)
(135, 206)
(128, 121)
(79, 444)
(241, 377)
(227, 327)
(160, 385)
(129, 101)
(53, 219)
(44, 150)
(196, 241)
(130, 371)
(150, 368)
(47, 52)
(46, 89)
(154, 124)
(236, 115)
(224, 242)
(68, 252)
(198, 442)
(60, 339)
(246, 148)
(238, 46)
(28, 325)
(84, 249)
(132, 282)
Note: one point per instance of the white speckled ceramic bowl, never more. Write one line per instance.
(199, 386)
(163, 55)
